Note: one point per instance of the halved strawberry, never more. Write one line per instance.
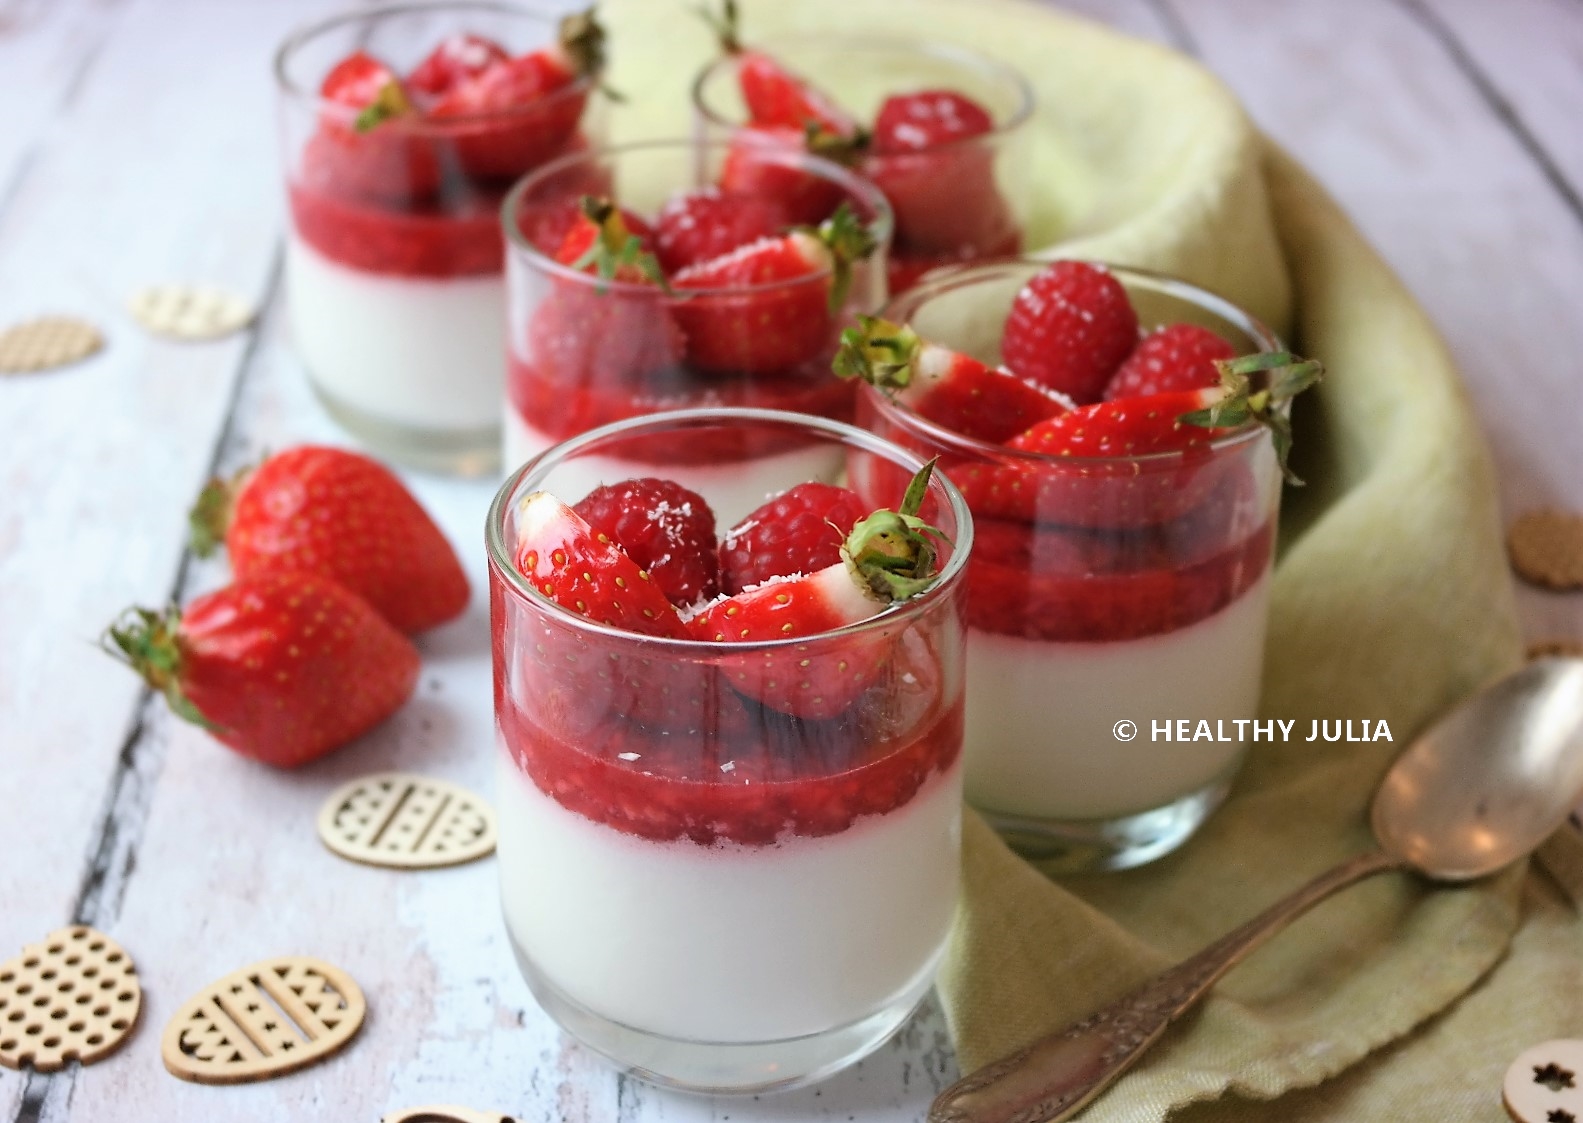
(515, 113)
(1175, 357)
(340, 515)
(667, 529)
(945, 386)
(924, 119)
(770, 162)
(800, 530)
(708, 223)
(773, 304)
(609, 241)
(774, 95)
(886, 558)
(456, 59)
(282, 667)
(364, 149)
(1088, 477)
(1069, 328)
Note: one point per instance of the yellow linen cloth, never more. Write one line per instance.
(1391, 601)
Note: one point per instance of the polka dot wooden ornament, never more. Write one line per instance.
(74, 997)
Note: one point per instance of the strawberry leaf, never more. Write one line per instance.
(391, 101)
(879, 352)
(1287, 376)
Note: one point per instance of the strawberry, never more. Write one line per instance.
(791, 288)
(340, 515)
(1069, 329)
(769, 163)
(610, 242)
(282, 667)
(773, 95)
(801, 530)
(364, 148)
(515, 113)
(582, 685)
(456, 60)
(1176, 357)
(886, 558)
(708, 223)
(663, 527)
(925, 119)
(1085, 475)
(944, 386)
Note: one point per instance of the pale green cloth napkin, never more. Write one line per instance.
(1391, 601)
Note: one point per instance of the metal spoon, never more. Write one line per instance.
(1480, 789)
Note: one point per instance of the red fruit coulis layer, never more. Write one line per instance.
(460, 239)
(758, 777)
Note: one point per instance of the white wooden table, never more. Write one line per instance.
(136, 145)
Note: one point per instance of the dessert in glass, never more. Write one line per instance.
(941, 130)
(729, 820)
(403, 128)
(1124, 496)
(666, 275)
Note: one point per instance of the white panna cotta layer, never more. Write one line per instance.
(1041, 716)
(730, 944)
(733, 489)
(426, 353)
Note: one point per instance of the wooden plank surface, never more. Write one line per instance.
(202, 862)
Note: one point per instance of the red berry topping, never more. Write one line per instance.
(799, 531)
(926, 119)
(663, 527)
(457, 59)
(1069, 329)
(361, 81)
(776, 96)
(706, 224)
(1177, 357)
(609, 241)
(769, 163)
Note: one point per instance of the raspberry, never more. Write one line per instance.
(1069, 329)
(1177, 357)
(664, 528)
(799, 531)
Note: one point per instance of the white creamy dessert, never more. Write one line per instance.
(731, 943)
(1040, 717)
(735, 489)
(423, 353)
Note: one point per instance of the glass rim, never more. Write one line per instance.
(501, 563)
(881, 225)
(975, 60)
(300, 37)
(900, 309)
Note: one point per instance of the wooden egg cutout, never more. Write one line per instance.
(263, 1021)
(189, 312)
(1545, 1084)
(445, 1113)
(46, 343)
(74, 997)
(407, 822)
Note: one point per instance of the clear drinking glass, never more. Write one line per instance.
(394, 257)
(957, 202)
(585, 351)
(712, 894)
(1101, 592)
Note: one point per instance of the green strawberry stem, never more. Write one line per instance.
(848, 240)
(390, 101)
(149, 642)
(879, 352)
(582, 38)
(889, 552)
(1287, 376)
(725, 25)
(615, 247)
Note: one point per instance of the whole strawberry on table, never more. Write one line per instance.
(1108, 502)
(333, 561)
(932, 151)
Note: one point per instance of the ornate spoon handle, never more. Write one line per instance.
(1056, 1076)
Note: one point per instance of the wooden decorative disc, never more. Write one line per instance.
(74, 997)
(47, 342)
(189, 311)
(1545, 1084)
(445, 1114)
(406, 821)
(263, 1021)
(1546, 548)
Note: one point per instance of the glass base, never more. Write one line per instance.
(724, 1067)
(452, 452)
(1096, 845)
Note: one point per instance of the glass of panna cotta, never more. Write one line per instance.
(403, 127)
(713, 878)
(1108, 598)
(738, 307)
(943, 131)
